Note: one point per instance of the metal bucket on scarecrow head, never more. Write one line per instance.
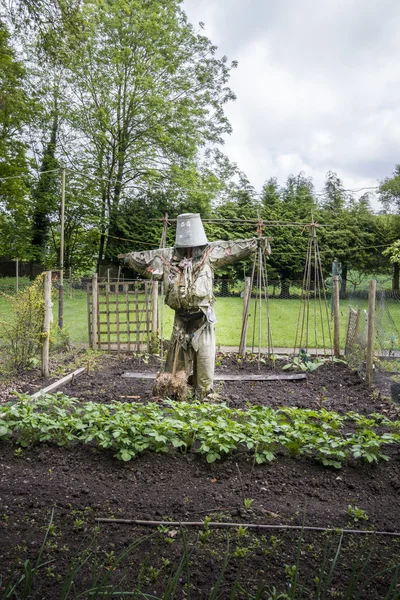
(190, 231)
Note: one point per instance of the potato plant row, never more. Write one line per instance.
(213, 430)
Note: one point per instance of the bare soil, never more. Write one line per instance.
(82, 483)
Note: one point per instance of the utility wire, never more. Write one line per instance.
(273, 254)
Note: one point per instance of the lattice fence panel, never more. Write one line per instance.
(124, 315)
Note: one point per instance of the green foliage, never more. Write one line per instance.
(350, 230)
(390, 191)
(94, 572)
(299, 364)
(393, 252)
(247, 502)
(21, 336)
(16, 111)
(212, 430)
(291, 204)
(357, 514)
(148, 94)
(46, 193)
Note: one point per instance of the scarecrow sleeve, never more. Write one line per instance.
(149, 263)
(228, 252)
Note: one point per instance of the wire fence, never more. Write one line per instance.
(278, 309)
(386, 326)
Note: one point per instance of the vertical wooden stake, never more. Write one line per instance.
(61, 286)
(336, 317)
(246, 306)
(46, 323)
(154, 308)
(94, 311)
(370, 333)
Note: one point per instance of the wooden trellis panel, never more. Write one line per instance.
(124, 314)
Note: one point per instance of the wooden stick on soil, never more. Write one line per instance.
(56, 384)
(247, 525)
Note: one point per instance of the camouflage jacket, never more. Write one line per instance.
(188, 282)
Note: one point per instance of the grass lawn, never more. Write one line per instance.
(284, 316)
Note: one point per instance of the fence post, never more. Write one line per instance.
(95, 292)
(61, 281)
(370, 332)
(46, 323)
(154, 307)
(246, 306)
(336, 316)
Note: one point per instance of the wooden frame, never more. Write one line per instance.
(121, 314)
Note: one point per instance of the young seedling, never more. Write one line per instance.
(357, 514)
(247, 503)
(79, 523)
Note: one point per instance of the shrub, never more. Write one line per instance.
(22, 335)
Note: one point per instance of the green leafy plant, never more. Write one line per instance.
(79, 524)
(21, 336)
(299, 364)
(247, 503)
(357, 514)
(213, 430)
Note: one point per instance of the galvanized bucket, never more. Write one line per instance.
(190, 231)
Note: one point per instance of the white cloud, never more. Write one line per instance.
(318, 86)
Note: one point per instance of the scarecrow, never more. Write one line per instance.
(187, 270)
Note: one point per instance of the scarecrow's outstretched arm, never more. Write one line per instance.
(149, 263)
(228, 252)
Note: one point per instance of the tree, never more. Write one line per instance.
(292, 204)
(390, 227)
(389, 191)
(393, 252)
(16, 108)
(390, 199)
(340, 234)
(147, 95)
(46, 193)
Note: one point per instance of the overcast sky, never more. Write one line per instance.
(318, 86)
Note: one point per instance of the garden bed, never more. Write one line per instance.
(82, 482)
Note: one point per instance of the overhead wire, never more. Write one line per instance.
(217, 220)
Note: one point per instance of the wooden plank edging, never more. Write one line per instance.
(230, 377)
(56, 384)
